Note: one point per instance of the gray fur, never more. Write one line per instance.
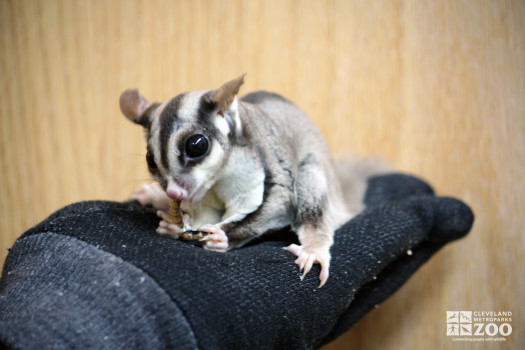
(295, 156)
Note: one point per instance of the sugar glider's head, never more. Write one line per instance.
(188, 137)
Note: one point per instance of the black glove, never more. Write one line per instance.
(95, 275)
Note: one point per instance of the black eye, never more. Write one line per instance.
(151, 161)
(196, 146)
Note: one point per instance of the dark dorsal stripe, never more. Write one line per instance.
(166, 119)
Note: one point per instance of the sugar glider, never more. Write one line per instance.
(241, 168)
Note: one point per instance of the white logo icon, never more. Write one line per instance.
(465, 317)
(465, 329)
(452, 316)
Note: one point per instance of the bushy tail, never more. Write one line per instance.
(353, 173)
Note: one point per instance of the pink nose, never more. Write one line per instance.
(176, 192)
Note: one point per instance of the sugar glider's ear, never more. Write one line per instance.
(135, 107)
(225, 95)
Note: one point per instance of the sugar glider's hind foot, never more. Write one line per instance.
(307, 256)
(153, 194)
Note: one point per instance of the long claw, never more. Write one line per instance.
(308, 265)
(323, 276)
(308, 256)
(301, 261)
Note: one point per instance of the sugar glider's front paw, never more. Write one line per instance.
(215, 239)
(309, 255)
(166, 227)
(152, 194)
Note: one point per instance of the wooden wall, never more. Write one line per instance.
(435, 87)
